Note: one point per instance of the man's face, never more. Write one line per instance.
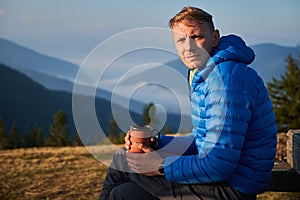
(194, 43)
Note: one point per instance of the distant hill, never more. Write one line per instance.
(270, 60)
(48, 85)
(52, 73)
(56, 74)
(25, 60)
(26, 102)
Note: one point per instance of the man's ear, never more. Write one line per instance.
(216, 38)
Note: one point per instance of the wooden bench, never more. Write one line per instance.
(284, 179)
(286, 175)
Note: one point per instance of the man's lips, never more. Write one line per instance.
(192, 58)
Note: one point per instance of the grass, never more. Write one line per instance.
(279, 196)
(63, 173)
(50, 173)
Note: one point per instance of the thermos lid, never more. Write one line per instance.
(141, 127)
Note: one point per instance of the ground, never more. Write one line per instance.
(67, 173)
(50, 173)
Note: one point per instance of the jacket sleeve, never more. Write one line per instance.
(219, 146)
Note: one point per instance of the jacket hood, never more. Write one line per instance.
(233, 48)
(230, 48)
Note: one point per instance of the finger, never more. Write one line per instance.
(143, 163)
(154, 173)
(127, 136)
(132, 160)
(127, 147)
(127, 143)
(144, 148)
(137, 167)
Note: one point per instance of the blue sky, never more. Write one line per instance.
(71, 29)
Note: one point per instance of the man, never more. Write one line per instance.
(231, 152)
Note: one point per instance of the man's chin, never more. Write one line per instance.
(194, 66)
(190, 67)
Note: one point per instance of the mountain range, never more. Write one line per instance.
(26, 103)
(34, 86)
(57, 74)
(270, 59)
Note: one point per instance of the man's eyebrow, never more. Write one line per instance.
(195, 36)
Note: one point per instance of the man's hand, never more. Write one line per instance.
(127, 144)
(144, 163)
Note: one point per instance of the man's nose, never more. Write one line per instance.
(190, 44)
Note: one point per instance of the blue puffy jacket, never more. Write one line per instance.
(234, 124)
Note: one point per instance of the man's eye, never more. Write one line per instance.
(180, 40)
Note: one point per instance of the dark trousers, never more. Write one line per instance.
(120, 183)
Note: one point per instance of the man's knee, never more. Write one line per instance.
(121, 191)
(129, 190)
(116, 193)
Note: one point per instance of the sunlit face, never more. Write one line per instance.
(194, 43)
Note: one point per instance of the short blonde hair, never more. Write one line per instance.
(190, 14)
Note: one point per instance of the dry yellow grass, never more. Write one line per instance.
(63, 173)
(50, 173)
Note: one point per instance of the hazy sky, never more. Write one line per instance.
(70, 29)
